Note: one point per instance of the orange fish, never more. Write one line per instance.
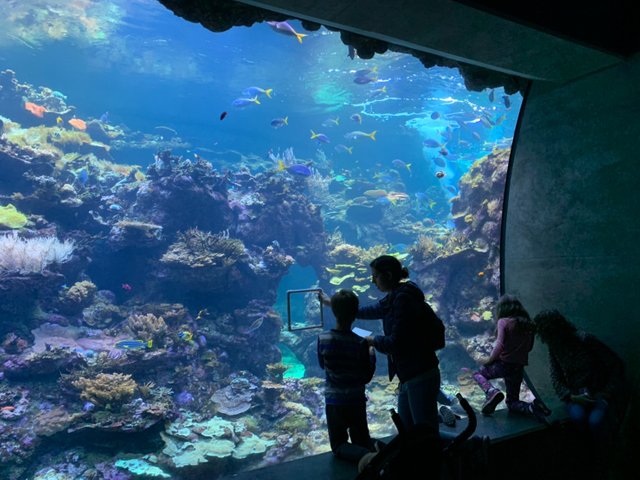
(8, 408)
(37, 110)
(77, 123)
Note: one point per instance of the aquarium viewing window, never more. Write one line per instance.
(163, 187)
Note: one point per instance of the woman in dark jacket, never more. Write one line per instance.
(406, 341)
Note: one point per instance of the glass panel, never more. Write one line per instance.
(163, 187)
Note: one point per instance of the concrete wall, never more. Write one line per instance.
(572, 237)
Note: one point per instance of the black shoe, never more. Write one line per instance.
(448, 417)
(493, 399)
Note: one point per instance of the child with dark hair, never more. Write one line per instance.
(510, 354)
(349, 365)
(586, 374)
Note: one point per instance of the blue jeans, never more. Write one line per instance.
(592, 418)
(417, 400)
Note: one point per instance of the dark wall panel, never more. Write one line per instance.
(572, 233)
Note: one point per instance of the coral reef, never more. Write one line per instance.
(10, 217)
(106, 388)
(148, 327)
(80, 295)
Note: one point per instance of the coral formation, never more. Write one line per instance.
(10, 217)
(197, 249)
(77, 297)
(106, 388)
(148, 327)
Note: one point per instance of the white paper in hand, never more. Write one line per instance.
(361, 332)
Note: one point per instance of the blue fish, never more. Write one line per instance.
(399, 164)
(343, 148)
(320, 137)
(364, 80)
(134, 344)
(299, 169)
(104, 118)
(431, 143)
(255, 91)
(439, 161)
(279, 122)
(82, 175)
(243, 102)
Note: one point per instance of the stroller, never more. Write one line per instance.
(418, 449)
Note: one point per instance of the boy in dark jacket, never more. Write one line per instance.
(349, 365)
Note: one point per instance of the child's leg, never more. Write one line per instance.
(494, 396)
(338, 420)
(358, 429)
(513, 381)
(337, 426)
(486, 373)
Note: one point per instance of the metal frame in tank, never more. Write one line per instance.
(304, 290)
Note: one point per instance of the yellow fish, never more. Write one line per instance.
(59, 121)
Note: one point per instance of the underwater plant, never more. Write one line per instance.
(32, 255)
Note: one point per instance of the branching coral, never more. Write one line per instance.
(147, 327)
(196, 248)
(106, 388)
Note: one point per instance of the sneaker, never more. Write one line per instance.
(493, 399)
(448, 417)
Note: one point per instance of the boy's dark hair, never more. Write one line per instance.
(344, 305)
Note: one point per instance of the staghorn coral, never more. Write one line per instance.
(106, 388)
(147, 327)
(195, 248)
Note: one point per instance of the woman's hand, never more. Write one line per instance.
(324, 298)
